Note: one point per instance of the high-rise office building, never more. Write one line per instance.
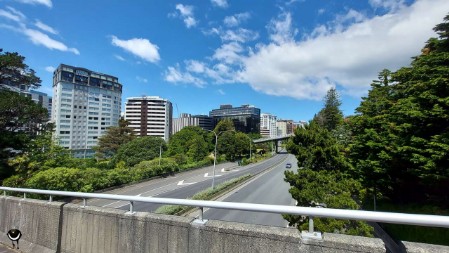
(186, 119)
(268, 125)
(43, 100)
(246, 118)
(149, 116)
(85, 103)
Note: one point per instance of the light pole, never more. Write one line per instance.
(250, 142)
(160, 154)
(215, 153)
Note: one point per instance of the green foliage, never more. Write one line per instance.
(227, 145)
(156, 167)
(330, 116)
(20, 122)
(224, 125)
(14, 71)
(401, 136)
(334, 190)
(110, 142)
(189, 145)
(316, 149)
(140, 149)
(68, 179)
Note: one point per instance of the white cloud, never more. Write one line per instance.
(195, 66)
(221, 92)
(141, 79)
(118, 57)
(236, 19)
(50, 69)
(47, 3)
(391, 5)
(12, 14)
(43, 39)
(350, 56)
(45, 27)
(186, 13)
(220, 3)
(174, 75)
(139, 47)
(281, 30)
(228, 53)
(35, 36)
(240, 35)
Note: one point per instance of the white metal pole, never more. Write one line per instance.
(160, 154)
(215, 160)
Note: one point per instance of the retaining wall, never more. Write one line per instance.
(60, 227)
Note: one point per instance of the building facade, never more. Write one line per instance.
(85, 103)
(186, 119)
(43, 100)
(246, 118)
(149, 116)
(268, 127)
(284, 127)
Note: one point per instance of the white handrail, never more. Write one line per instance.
(386, 217)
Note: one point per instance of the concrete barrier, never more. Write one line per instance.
(60, 227)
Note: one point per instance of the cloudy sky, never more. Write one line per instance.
(280, 56)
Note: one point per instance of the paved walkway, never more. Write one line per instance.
(5, 249)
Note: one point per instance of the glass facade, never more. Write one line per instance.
(246, 118)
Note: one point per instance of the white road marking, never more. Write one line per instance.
(207, 175)
(182, 183)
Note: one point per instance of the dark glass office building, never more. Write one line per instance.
(246, 118)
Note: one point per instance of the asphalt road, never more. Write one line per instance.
(184, 185)
(268, 188)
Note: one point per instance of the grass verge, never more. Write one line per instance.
(207, 194)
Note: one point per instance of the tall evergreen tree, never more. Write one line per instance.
(330, 116)
(113, 139)
(14, 71)
(402, 130)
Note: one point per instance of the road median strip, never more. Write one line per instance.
(207, 194)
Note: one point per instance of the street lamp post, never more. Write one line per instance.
(215, 153)
(160, 154)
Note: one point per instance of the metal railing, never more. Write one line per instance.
(384, 217)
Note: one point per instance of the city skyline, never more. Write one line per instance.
(279, 56)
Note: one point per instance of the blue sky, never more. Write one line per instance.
(280, 56)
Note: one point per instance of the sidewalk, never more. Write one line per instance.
(5, 249)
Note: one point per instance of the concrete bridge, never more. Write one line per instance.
(64, 227)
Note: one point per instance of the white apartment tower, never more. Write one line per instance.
(149, 116)
(268, 125)
(85, 103)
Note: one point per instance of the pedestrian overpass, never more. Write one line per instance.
(275, 140)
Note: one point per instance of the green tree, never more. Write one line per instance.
(21, 120)
(40, 153)
(110, 142)
(224, 125)
(330, 116)
(402, 134)
(316, 149)
(14, 71)
(329, 189)
(190, 142)
(197, 148)
(140, 149)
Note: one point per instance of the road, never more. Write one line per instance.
(268, 188)
(184, 185)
